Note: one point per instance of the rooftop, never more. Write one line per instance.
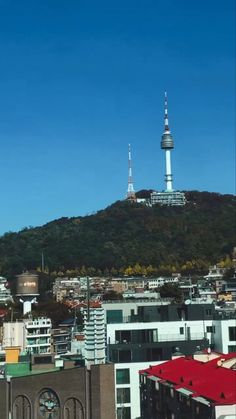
(209, 380)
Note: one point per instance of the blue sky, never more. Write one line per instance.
(79, 80)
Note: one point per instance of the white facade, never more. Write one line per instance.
(166, 331)
(33, 336)
(224, 332)
(225, 412)
(13, 334)
(158, 282)
(94, 332)
(38, 335)
(129, 389)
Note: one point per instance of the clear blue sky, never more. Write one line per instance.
(80, 79)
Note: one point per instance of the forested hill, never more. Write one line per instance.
(127, 234)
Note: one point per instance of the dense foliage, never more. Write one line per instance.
(129, 238)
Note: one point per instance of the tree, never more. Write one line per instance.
(171, 291)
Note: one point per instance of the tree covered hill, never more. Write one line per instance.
(126, 234)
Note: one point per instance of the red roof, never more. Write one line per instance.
(216, 383)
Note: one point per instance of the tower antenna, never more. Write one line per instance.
(130, 192)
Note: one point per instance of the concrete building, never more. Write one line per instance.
(33, 336)
(225, 334)
(140, 334)
(127, 388)
(94, 334)
(14, 334)
(186, 388)
(61, 340)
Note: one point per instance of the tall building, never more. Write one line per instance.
(94, 332)
(169, 196)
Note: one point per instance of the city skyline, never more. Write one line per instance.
(80, 82)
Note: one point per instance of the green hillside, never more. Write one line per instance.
(127, 234)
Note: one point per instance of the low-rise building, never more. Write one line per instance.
(31, 335)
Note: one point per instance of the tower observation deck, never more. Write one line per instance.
(169, 196)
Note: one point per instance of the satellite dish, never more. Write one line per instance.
(187, 302)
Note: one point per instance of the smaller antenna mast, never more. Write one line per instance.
(130, 192)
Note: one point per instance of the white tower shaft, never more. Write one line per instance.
(168, 176)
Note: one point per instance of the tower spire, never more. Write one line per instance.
(130, 192)
(166, 114)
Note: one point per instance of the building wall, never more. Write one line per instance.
(102, 382)
(91, 393)
(225, 412)
(222, 339)
(133, 385)
(167, 331)
(3, 399)
(14, 334)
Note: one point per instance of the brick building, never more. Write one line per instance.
(43, 391)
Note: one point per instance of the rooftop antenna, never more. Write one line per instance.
(130, 192)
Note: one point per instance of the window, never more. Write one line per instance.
(181, 330)
(210, 329)
(232, 348)
(123, 395)
(232, 333)
(114, 316)
(123, 413)
(122, 376)
(123, 336)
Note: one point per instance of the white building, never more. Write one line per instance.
(33, 336)
(127, 388)
(38, 335)
(225, 335)
(158, 282)
(94, 332)
(14, 334)
(5, 293)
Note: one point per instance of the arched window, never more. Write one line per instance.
(73, 409)
(48, 404)
(22, 408)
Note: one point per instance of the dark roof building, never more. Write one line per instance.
(186, 388)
